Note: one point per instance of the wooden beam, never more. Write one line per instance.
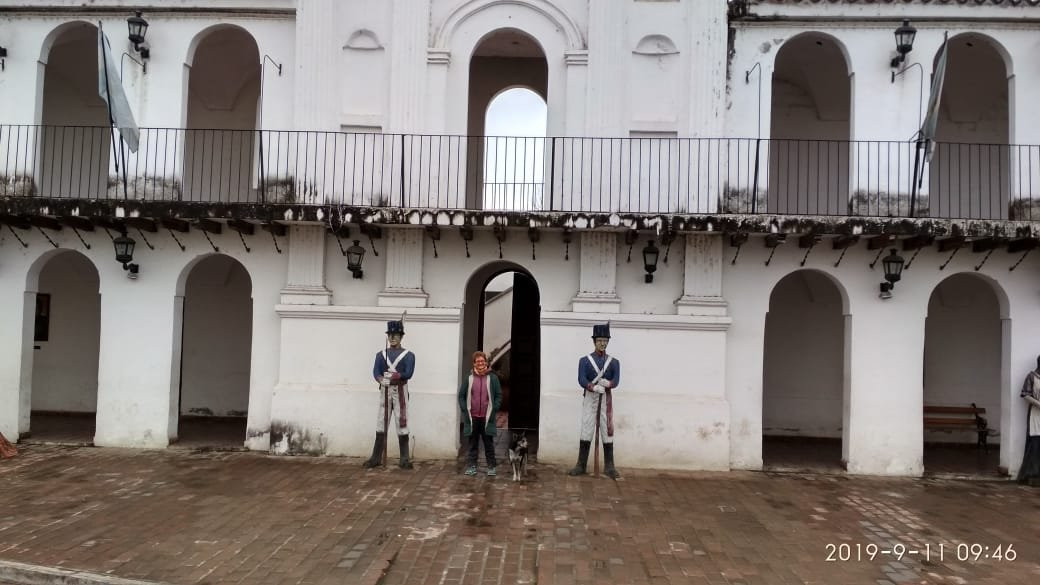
(15, 221)
(880, 241)
(951, 243)
(77, 222)
(211, 226)
(371, 230)
(844, 241)
(176, 224)
(278, 229)
(109, 223)
(45, 221)
(242, 226)
(1022, 244)
(809, 240)
(917, 242)
(737, 239)
(774, 240)
(146, 224)
(987, 244)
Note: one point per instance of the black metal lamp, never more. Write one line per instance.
(650, 254)
(905, 35)
(893, 265)
(355, 256)
(125, 254)
(138, 28)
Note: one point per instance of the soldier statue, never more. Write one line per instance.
(393, 368)
(598, 375)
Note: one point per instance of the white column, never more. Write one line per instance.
(606, 111)
(597, 288)
(306, 281)
(577, 81)
(707, 82)
(702, 277)
(410, 22)
(404, 269)
(16, 329)
(136, 362)
(318, 31)
(437, 62)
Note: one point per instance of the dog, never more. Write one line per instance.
(518, 454)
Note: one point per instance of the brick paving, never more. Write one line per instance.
(185, 517)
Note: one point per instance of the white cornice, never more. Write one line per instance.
(415, 315)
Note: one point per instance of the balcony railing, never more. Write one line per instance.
(593, 175)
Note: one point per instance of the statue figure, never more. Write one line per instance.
(598, 375)
(393, 368)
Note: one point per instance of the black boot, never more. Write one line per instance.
(583, 458)
(608, 461)
(377, 452)
(402, 440)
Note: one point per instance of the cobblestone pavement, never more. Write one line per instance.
(219, 517)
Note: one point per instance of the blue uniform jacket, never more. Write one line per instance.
(586, 374)
(406, 368)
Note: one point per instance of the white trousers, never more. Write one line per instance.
(592, 402)
(398, 398)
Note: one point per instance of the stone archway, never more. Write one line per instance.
(805, 410)
(506, 324)
(63, 344)
(964, 363)
(809, 154)
(211, 395)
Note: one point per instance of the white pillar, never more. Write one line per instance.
(410, 22)
(597, 288)
(577, 81)
(606, 110)
(318, 36)
(306, 281)
(136, 360)
(702, 277)
(404, 269)
(707, 83)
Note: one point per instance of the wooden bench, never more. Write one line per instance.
(958, 418)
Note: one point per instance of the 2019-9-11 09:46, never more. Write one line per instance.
(961, 552)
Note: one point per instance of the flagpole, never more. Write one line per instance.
(108, 101)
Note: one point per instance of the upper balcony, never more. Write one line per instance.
(297, 175)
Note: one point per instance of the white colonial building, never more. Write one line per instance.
(766, 149)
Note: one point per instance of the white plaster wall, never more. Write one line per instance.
(671, 395)
(804, 358)
(65, 368)
(138, 362)
(962, 357)
(215, 365)
(498, 320)
(884, 433)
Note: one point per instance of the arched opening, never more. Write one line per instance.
(969, 171)
(963, 362)
(502, 317)
(64, 342)
(804, 373)
(74, 141)
(810, 128)
(506, 170)
(220, 143)
(215, 348)
(514, 151)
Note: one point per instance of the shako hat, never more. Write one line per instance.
(394, 327)
(601, 331)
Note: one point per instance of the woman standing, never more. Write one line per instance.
(480, 396)
(1029, 472)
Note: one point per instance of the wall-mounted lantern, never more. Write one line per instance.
(893, 265)
(905, 35)
(650, 254)
(355, 256)
(138, 28)
(124, 246)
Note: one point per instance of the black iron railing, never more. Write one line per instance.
(623, 175)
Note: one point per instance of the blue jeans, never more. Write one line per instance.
(474, 444)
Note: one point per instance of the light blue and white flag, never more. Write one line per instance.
(931, 119)
(110, 88)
